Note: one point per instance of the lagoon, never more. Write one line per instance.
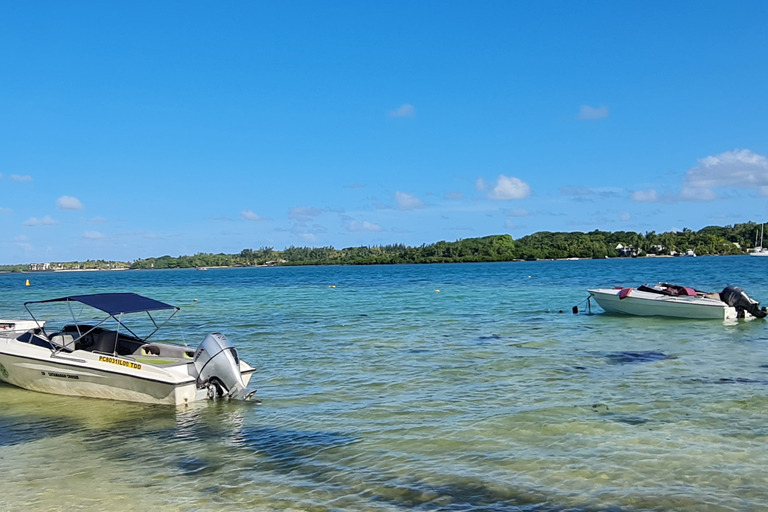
(381, 393)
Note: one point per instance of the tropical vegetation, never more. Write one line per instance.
(712, 240)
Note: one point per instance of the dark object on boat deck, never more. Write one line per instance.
(737, 298)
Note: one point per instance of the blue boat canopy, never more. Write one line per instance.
(114, 303)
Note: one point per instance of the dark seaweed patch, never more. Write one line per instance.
(16, 430)
(631, 357)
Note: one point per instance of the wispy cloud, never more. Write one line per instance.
(22, 242)
(69, 203)
(646, 196)
(45, 221)
(99, 220)
(405, 110)
(16, 177)
(250, 216)
(303, 213)
(93, 235)
(587, 113)
(308, 237)
(5, 210)
(697, 194)
(576, 191)
(357, 226)
(454, 195)
(406, 202)
(518, 212)
(354, 185)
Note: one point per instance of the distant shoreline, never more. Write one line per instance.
(225, 267)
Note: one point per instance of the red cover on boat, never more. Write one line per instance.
(624, 293)
(689, 291)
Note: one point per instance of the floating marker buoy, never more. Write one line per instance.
(194, 300)
(437, 291)
(27, 283)
(529, 277)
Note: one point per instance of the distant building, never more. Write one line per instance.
(626, 251)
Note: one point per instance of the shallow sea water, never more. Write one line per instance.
(383, 394)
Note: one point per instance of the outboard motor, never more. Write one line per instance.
(738, 298)
(218, 368)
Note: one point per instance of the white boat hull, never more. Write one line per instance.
(641, 303)
(87, 374)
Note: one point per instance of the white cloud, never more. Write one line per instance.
(16, 177)
(45, 221)
(738, 168)
(357, 226)
(481, 185)
(587, 113)
(5, 210)
(509, 224)
(406, 202)
(625, 216)
(649, 196)
(249, 215)
(302, 212)
(405, 110)
(92, 235)
(69, 203)
(99, 220)
(509, 187)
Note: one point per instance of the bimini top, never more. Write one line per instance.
(114, 303)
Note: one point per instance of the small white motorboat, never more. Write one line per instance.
(91, 360)
(670, 300)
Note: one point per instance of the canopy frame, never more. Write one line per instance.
(115, 305)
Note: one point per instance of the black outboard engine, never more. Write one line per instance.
(738, 298)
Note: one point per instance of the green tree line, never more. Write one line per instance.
(735, 239)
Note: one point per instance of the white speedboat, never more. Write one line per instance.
(107, 359)
(665, 299)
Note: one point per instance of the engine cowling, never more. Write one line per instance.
(738, 298)
(218, 368)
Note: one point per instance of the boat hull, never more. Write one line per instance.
(640, 303)
(86, 374)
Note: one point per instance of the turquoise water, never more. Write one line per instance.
(383, 394)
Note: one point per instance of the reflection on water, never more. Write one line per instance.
(380, 394)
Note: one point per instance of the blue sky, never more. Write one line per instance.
(138, 129)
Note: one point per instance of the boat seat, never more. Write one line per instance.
(165, 351)
(65, 341)
(104, 342)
